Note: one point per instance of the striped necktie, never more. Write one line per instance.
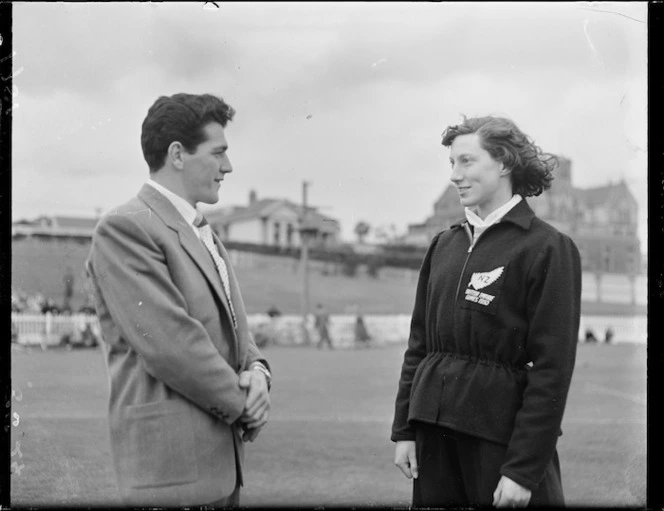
(206, 237)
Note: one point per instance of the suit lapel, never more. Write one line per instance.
(190, 243)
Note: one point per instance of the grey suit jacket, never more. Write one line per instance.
(172, 354)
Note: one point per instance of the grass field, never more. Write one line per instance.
(327, 443)
(40, 266)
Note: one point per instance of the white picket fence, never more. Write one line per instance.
(288, 329)
(395, 328)
(625, 328)
(47, 329)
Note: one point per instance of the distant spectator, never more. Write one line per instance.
(88, 337)
(322, 322)
(18, 304)
(608, 335)
(362, 336)
(32, 304)
(590, 336)
(50, 306)
(36, 303)
(87, 309)
(273, 312)
(69, 289)
(73, 339)
(83, 335)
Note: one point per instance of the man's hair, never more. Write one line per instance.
(180, 118)
(532, 169)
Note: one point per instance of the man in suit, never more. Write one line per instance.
(187, 383)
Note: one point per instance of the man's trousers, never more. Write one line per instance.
(456, 469)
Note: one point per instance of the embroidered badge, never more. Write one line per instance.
(480, 281)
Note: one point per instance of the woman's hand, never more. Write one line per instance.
(510, 494)
(405, 458)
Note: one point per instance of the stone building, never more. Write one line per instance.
(602, 221)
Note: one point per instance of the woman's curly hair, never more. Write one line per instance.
(532, 169)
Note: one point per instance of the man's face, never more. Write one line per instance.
(477, 176)
(204, 169)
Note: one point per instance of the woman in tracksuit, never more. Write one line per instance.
(493, 334)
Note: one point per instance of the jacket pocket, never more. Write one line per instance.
(159, 445)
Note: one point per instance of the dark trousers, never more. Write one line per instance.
(462, 470)
(324, 338)
(232, 501)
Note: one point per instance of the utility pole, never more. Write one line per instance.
(305, 232)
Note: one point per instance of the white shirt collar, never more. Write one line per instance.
(187, 211)
(495, 216)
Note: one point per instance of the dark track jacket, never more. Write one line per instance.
(481, 315)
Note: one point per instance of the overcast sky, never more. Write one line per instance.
(352, 97)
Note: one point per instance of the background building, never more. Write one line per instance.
(55, 226)
(273, 222)
(602, 221)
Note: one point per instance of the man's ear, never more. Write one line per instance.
(176, 155)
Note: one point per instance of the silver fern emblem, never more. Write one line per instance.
(484, 279)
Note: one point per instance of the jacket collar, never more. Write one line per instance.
(187, 211)
(163, 208)
(521, 215)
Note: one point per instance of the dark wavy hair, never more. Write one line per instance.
(180, 118)
(532, 169)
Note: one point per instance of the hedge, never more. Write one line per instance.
(408, 257)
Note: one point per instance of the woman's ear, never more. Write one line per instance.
(505, 171)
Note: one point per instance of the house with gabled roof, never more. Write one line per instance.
(271, 221)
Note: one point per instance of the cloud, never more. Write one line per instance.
(86, 47)
(77, 47)
(426, 43)
(325, 48)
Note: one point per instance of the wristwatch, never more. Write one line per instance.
(257, 366)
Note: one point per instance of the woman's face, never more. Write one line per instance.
(481, 181)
